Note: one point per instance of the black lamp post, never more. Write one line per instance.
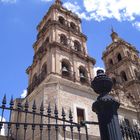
(106, 108)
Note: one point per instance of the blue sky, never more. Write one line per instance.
(19, 18)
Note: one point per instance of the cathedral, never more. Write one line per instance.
(62, 71)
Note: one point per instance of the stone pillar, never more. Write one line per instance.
(106, 108)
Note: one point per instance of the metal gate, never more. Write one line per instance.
(30, 123)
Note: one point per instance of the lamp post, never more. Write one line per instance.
(106, 108)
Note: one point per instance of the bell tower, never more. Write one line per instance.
(122, 64)
(60, 49)
(62, 70)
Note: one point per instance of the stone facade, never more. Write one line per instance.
(122, 64)
(62, 71)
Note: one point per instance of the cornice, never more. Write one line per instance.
(115, 45)
(124, 61)
(70, 50)
(62, 10)
(64, 27)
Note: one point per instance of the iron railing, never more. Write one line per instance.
(27, 122)
(130, 132)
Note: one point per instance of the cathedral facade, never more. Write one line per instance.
(62, 71)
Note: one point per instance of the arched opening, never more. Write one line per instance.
(62, 20)
(123, 76)
(110, 62)
(44, 68)
(114, 81)
(63, 39)
(47, 40)
(128, 53)
(72, 25)
(77, 45)
(135, 58)
(119, 57)
(83, 74)
(65, 68)
(34, 81)
(34, 78)
(126, 121)
(137, 74)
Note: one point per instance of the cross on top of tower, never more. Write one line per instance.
(112, 29)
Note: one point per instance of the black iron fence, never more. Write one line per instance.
(130, 132)
(30, 123)
(36, 122)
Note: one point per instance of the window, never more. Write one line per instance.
(119, 57)
(114, 81)
(123, 76)
(110, 62)
(44, 68)
(77, 45)
(47, 40)
(63, 39)
(62, 20)
(65, 68)
(126, 121)
(83, 74)
(137, 74)
(34, 78)
(80, 115)
(135, 58)
(72, 25)
(128, 54)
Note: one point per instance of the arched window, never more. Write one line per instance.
(128, 53)
(61, 20)
(83, 74)
(47, 40)
(44, 68)
(43, 71)
(126, 121)
(63, 39)
(77, 45)
(34, 81)
(123, 76)
(65, 68)
(34, 78)
(119, 57)
(135, 58)
(114, 81)
(110, 62)
(137, 74)
(72, 25)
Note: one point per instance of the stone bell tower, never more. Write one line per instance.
(122, 64)
(62, 70)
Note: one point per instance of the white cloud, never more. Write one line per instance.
(97, 68)
(100, 10)
(137, 25)
(4, 127)
(73, 7)
(24, 94)
(8, 1)
(121, 10)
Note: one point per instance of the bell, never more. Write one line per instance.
(82, 75)
(64, 69)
